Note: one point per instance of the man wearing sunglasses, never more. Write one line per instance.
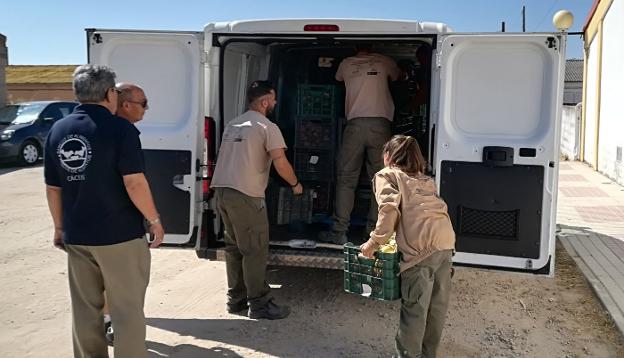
(131, 106)
(132, 102)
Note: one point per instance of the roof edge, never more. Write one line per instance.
(591, 14)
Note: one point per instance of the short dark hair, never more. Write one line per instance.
(258, 89)
(404, 153)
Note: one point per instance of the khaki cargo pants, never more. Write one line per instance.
(363, 138)
(425, 292)
(246, 246)
(123, 270)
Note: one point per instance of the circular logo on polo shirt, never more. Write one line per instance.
(74, 153)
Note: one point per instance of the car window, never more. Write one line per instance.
(8, 114)
(53, 111)
(66, 109)
(57, 111)
(28, 113)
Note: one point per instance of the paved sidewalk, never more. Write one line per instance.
(590, 218)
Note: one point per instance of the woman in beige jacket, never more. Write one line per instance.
(410, 206)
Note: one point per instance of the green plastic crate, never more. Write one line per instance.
(369, 270)
(373, 287)
(317, 100)
(376, 278)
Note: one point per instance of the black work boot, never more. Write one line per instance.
(236, 307)
(269, 311)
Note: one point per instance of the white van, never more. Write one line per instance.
(489, 126)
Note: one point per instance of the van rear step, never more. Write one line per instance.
(290, 257)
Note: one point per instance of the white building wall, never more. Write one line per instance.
(591, 101)
(570, 128)
(611, 97)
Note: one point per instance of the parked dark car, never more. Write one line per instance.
(24, 127)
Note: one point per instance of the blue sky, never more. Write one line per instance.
(52, 32)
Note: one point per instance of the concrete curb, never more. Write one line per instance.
(599, 289)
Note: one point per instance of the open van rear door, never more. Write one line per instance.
(497, 141)
(168, 66)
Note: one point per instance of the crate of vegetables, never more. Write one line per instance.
(376, 278)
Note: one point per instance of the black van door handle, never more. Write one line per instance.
(498, 156)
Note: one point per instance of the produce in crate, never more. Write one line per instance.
(390, 247)
(376, 278)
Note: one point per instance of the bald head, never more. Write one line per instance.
(132, 102)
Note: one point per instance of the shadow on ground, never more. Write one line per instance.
(6, 168)
(317, 326)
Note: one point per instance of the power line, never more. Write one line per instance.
(546, 14)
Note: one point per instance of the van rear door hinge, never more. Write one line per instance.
(551, 42)
(438, 56)
(437, 52)
(97, 38)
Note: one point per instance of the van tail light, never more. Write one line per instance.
(209, 130)
(321, 27)
(206, 188)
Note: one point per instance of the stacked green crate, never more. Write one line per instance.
(294, 208)
(317, 100)
(376, 278)
(315, 144)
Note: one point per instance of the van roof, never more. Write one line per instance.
(348, 26)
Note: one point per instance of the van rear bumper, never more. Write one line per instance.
(285, 257)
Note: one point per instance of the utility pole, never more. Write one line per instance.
(523, 18)
(4, 61)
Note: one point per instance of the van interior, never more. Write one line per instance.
(311, 115)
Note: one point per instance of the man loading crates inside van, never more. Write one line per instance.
(369, 110)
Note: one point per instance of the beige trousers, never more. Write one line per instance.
(122, 270)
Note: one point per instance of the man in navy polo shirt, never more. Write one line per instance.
(131, 106)
(132, 102)
(99, 197)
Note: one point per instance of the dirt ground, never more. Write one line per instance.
(491, 314)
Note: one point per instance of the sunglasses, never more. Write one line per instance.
(141, 103)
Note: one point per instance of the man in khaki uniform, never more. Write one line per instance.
(369, 109)
(250, 143)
